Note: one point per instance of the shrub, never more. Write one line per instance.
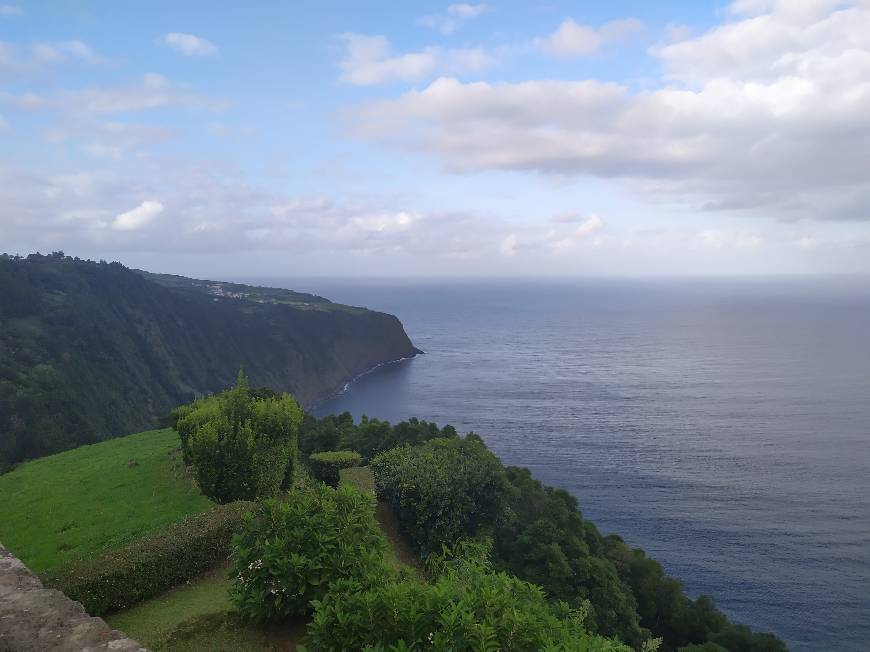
(241, 446)
(544, 539)
(287, 556)
(441, 491)
(326, 466)
(467, 607)
(148, 566)
(370, 437)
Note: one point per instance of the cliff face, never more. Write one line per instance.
(89, 351)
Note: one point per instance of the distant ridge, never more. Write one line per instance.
(92, 350)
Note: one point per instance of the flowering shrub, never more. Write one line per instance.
(288, 555)
(466, 608)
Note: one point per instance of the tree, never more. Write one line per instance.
(241, 447)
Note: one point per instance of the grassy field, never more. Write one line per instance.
(75, 503)
(197, 616)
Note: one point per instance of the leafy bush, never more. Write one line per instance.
(241, 446)
(544, 539)
(154, 563)
(467, 607)
(370, 437)
(666, 610)
(327, 465)
(289, 554)
(441, 491)
(739, 638)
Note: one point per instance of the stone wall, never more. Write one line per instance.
(36, 619)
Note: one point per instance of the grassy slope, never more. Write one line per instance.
(81, 501)
(198, 615)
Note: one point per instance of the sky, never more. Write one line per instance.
(502, 138)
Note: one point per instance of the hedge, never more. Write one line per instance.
(326, 466)
(155, 563)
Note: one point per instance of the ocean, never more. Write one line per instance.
(722, 426)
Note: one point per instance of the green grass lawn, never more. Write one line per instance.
(150, 621)
(95, 497)
(197, 616)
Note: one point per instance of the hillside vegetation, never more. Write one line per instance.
(435, 544)
(94, 350)
(86, 500)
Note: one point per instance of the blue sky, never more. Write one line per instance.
(436, 139)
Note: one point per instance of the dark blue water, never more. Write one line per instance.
(724, 427)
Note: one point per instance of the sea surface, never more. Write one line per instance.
(722, 426)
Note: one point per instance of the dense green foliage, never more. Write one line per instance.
(467, 607)
(93, 350)
(145, 567)
(442, 490)
(289, 554)
(241, 447)
(544, 539)
(369, 437)
(664, 607)
(540, 536)
(81, 502)
(327, 465)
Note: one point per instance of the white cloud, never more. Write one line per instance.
(777, 125)
(152, 91)
(26, 101)
(138, 217)
(189, 45)
(10, 10)
(587, 230)
(574, 40)
(590, 226)
(454, 17)
(25, 59)
(369, 60)
(721, 239)
(807, 243)
(508, 245)
(48, 53)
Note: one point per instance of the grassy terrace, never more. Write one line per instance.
(85, 500)
(93, 498)
(198, 615)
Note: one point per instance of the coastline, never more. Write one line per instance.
(346, 385)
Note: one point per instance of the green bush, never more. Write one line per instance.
(441, 491)
(241, 446)
(467, 607)
(148, 566)
(544, 539)
(327, 466)
(289, 554)
(370, 437)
